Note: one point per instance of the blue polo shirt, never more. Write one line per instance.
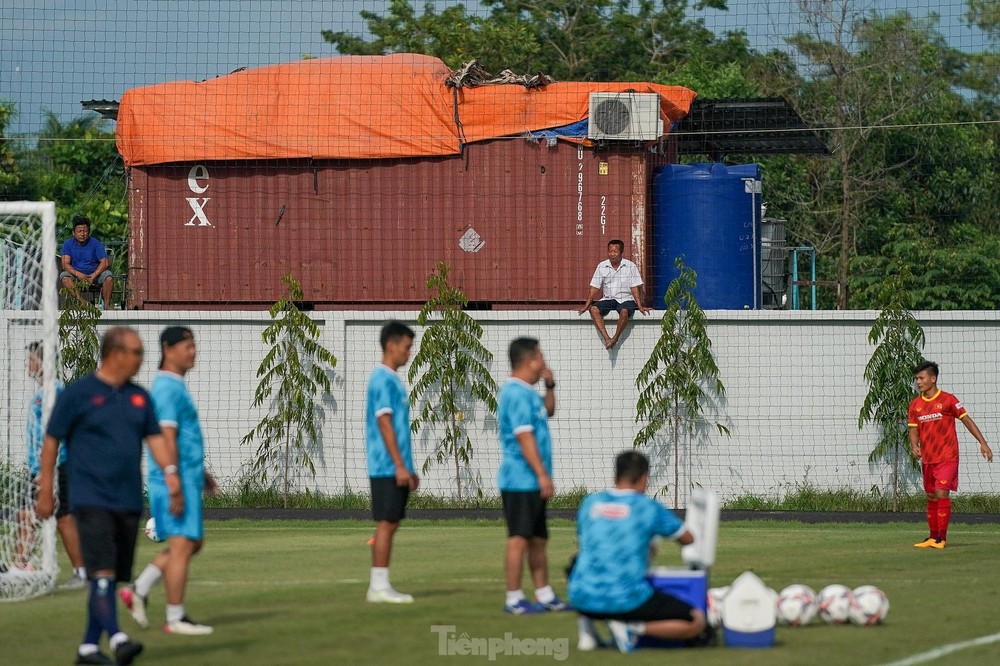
(103, 427)
(85, 257)
(386, 395)
(520, 409)
(614, 529)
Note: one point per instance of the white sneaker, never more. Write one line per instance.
(625, 639)
(187, 627)
(136, 605)
(74, 583)
(587, 640)
(389, 596)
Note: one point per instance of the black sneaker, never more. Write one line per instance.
(93, 658)
(127, 651)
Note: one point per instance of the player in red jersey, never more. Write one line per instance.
(933, 439)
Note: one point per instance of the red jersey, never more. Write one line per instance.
(934, 419)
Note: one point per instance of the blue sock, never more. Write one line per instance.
(103, 610)
(93, 633)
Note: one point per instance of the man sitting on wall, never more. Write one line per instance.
(617, 282)
(84, 258)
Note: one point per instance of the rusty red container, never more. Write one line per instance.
(520, 223)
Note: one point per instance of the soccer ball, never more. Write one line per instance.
(796, 605)
(714, 605)
(835, 604)
(870, 607)
(151, 531)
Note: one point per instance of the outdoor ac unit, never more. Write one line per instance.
(625, 116)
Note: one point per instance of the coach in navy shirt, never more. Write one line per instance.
(84, 258)
(103, 418)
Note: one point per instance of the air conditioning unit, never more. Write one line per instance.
(625, 116)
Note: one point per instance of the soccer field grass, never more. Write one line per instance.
(293, 593)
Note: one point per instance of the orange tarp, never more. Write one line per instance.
(349, 107)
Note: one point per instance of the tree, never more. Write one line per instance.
(863, 75)
(293, 376)
(899, 340)
(79, 344)
(586, 40)
(681, 373)
(449, 373)
(9, 177)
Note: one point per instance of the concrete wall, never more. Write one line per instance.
(794, 387)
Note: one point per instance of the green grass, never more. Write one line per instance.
(292, 593)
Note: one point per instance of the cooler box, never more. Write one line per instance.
(749, 613)
(688, 585)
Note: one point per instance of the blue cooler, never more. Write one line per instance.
(688, 585)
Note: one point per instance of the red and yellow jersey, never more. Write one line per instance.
(934, 419)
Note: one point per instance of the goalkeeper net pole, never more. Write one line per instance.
(29, 302)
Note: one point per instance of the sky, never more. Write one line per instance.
(56, 53)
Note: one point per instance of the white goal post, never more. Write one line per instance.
(29, 316)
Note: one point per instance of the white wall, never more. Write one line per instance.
(794, 387)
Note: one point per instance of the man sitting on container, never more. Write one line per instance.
(617, 282)
(84, 258)
(615, 531)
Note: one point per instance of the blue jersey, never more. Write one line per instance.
(103, 427)
(176, 409)
(386, 395)
(520, 409)
(35, 437)
(86, 257)
(614, 530)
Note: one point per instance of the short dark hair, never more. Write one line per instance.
(80, 219)
(630, 466)
(929, 366)
(35, 347)
(619, 243)
(395, 330)
(114, 338)
(521, 350)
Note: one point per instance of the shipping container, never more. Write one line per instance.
(521, 223)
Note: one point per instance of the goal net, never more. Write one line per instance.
(28, 564)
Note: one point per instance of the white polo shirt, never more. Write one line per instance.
(616, 284)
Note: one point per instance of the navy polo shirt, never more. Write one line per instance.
(103, 427)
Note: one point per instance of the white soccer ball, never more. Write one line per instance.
(870, 605)
(151, 531)
(714, 605)
(835, 604)
(796, 605)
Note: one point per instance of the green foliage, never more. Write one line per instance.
(79, 344)
(9, 178)
(586, 40)
(899, 340)
(450, 372)
(681, 373)
(293, 376)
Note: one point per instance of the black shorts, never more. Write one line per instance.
(524, 512)
(611, 305)
(62, 495)
(388, 499)
(660, 606)
(107, 539)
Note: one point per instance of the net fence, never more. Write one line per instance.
(795, 154)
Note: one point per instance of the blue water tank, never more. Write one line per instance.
(709, 214)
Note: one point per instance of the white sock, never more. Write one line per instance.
(545, 594)
(80, 572)
(380, 578)
(637, 628)
(584, 624)
(147, 579)
(174, 612)
(117, 640)
(86, 649)
(513, 596)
